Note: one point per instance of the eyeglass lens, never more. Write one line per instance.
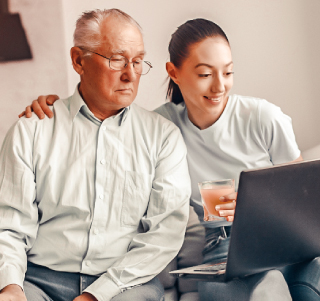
(120, 62)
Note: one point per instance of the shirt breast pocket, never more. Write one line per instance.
(135, 198)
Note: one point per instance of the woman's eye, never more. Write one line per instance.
(229, 73)
(204, 75)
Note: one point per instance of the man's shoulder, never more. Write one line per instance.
(59, 108)
(173, 112)
(154, 125)
(169, 110)
(151, 116)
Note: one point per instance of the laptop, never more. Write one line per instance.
(276, 223)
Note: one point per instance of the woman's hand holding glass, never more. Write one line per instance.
(227, 210)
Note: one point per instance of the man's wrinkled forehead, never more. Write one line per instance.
(117, 32)
(124, 52)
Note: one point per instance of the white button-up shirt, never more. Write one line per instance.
(106, 198)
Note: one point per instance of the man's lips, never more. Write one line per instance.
(125, 90)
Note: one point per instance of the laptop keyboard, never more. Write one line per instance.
(213, 268)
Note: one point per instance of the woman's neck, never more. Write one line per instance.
(203, 119)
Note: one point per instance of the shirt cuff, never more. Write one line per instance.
(10, 275)
(103, 289)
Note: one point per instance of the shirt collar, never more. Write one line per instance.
(78, 105)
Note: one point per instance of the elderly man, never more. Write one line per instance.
(93, 202)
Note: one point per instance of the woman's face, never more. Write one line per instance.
(205, 79)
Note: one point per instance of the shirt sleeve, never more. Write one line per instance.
(163, 226)
(277, 132)
(163, 111)
(18, 209)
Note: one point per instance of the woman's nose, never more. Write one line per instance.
(217, 84)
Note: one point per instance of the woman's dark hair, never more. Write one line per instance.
(187, 34)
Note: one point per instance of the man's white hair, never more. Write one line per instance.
(88, 27)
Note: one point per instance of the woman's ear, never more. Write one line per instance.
(77, 59)
(172, 72)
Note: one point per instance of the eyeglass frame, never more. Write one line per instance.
(125, 66)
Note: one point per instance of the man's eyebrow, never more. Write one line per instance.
(208, 65)
(121, 51)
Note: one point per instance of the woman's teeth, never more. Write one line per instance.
(213, 99)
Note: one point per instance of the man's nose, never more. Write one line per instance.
(129, 73)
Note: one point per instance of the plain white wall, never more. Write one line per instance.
(275, 47)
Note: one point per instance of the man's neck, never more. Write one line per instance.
(100, 113)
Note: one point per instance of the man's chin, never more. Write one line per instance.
(125, 100)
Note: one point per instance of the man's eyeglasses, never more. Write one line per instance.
(118, 62)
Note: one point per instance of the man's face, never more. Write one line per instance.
(103, 88)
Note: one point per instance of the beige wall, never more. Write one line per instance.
(21, 81)
(275, 48)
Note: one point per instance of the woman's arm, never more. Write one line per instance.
(40, 106)
(227, 210)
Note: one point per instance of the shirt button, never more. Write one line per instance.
(101, 196)
(103, 161)
(88, 263)
(104, 128)
(95, 231)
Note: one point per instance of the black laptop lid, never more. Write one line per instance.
(277, 219)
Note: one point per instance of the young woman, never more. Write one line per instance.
(225, 134)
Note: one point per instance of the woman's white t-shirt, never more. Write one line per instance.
(250, 133)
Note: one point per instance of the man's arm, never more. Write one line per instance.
(18, 209)
(164, 224)
(12, 292)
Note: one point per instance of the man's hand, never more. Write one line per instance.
(13, 292)
(84, 297)
(40, 106)
(227, 210)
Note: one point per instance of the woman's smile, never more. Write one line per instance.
(214, 99)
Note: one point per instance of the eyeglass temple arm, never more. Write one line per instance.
(149, 64)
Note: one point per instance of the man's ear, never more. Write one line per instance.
(172, 72)
(77, 59)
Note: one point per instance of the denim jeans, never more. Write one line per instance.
(303, 279)
(43, 284)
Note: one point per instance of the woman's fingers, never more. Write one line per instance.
(41, 105)
(229, 197)
(21, 114)
(28, 112)
(37, 109)
(228, 214)
(227, 210)
(226, 206)
(51, 99)
(45, 102)
(230, 218)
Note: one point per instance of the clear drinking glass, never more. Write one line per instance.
(210, 192)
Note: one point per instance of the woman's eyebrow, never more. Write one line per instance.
(210, 66)
(203, 64)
